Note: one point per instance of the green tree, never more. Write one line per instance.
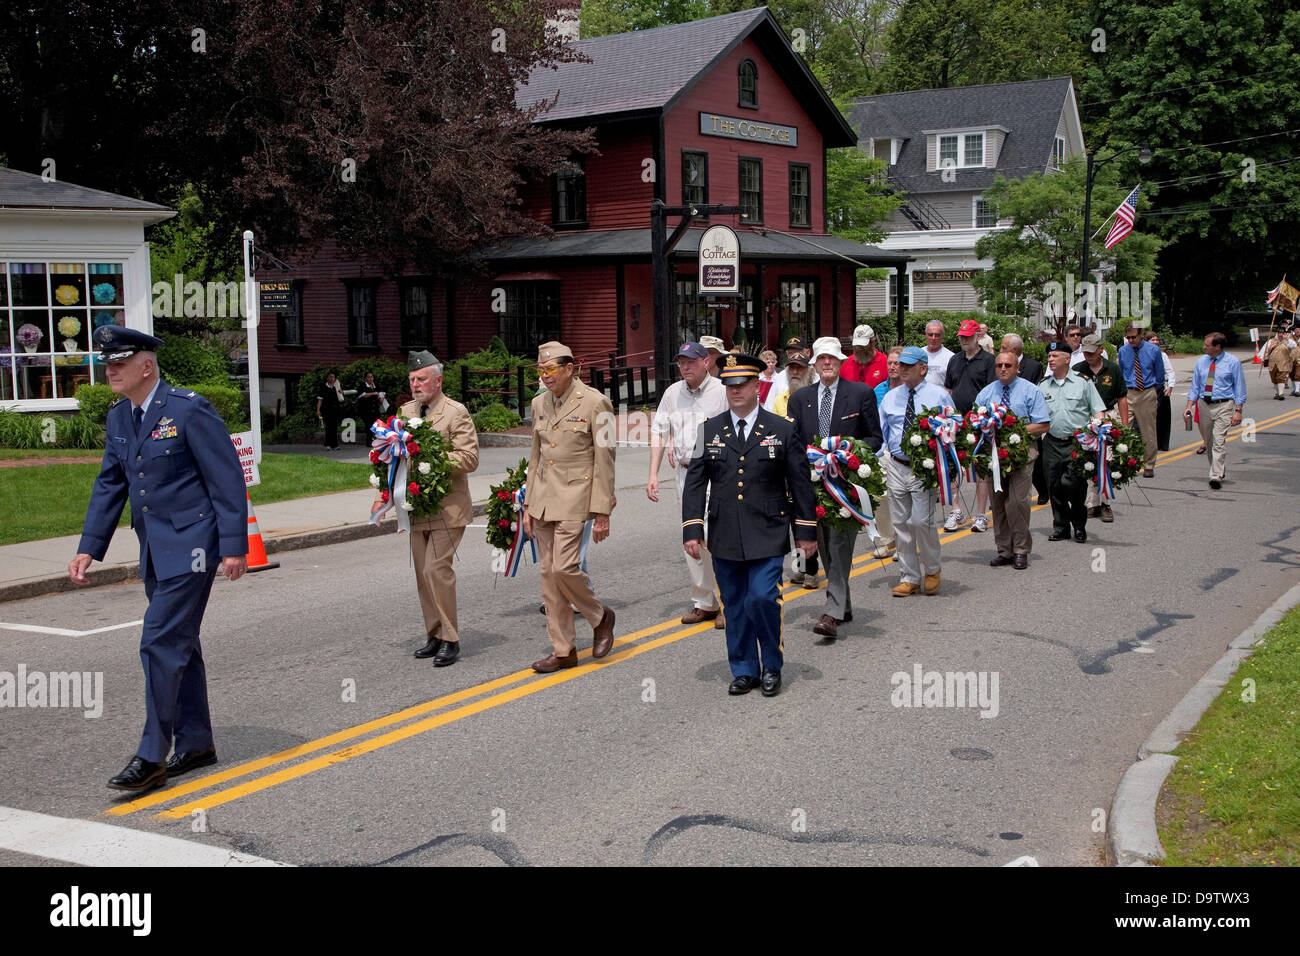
(942, 43)
(1210, 85)
(1044, 243)
(604, 17)
(857, 199)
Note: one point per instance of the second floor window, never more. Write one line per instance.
(695, 179)
(1058, 153)
(800, 195)
(961, 150)
(986, 215)
(751, 190)
(974, 149)
(417, 320)
(569, 196)
(749, 84)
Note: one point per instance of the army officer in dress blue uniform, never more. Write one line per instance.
(755, 478)
(169, 454)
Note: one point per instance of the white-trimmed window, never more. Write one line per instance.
(963, 150)
(48, 311)
(986, 214)
(1058, 152)
(891, 299)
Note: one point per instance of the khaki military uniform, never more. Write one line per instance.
(570, 479)
(435, 538)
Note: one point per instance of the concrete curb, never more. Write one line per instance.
(1131, 832)
(117, 573)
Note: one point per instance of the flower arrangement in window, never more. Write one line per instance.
(67, 295)
(103, 293)
(69, 327)
(29, 336)
(103, 317)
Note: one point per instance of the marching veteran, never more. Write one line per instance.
(686, 405)
(1107, 378)
(570, 479)
(1071, 403)
(750, 473)
(911, 505)
(435, 538)
(1011, 504)
(169, 454)
(1218, 389)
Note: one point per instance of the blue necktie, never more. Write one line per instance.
(139, 420)
(824, 413)
(1006, 395)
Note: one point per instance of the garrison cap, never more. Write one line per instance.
(550, 352)
(739, 369)
(117, 343)
(419, 360)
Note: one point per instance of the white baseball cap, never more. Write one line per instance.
(712, 342)
(863, 334)
(828, 345)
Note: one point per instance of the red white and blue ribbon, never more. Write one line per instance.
(391, 444)
(988, 423)
(1098, 437)
(516, 551)
(830, 461)
(944, 427)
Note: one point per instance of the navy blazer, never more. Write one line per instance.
(755, 491)
(853, 414)
(184, 482)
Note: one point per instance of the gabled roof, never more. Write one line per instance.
(646, 71)
(1030, 109)
(19, 190)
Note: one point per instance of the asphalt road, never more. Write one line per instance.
(338, 747)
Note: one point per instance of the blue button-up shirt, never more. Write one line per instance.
(1153, 364)
(1027, 400)
(1229, 379)
(894, 407)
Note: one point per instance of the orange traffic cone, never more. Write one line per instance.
(257, 560)
(1258, 360)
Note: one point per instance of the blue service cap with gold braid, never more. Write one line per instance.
(117, 343)
(739, 369)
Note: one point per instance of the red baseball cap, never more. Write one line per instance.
(969, 327)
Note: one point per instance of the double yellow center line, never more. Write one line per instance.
(435, 713)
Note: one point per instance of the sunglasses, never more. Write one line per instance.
(1004, 365)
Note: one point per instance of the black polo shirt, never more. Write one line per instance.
(966, 377)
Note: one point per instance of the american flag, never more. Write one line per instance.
(1124, 217)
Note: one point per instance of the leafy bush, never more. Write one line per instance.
(191, 362)
(25, 430)
(390, 376)
(914, 324)
(229, 403)
(496, 418)
(300, 426)
(95, 401)
(494, 357)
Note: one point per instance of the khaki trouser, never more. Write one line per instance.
(559, 552)
(704, 589)
(432, 550)
(1011, 511)
(1217, 419)
(884, 523)
(915, 531)
(1142, 405)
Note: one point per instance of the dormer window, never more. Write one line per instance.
(749, 84)
(957, 151)
(883, 149)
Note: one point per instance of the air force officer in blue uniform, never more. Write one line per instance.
(753, 476)
(169, 454)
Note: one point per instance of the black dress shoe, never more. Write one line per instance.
(1021, 562)
(1058, 535)
(998, 561)
(447, 654)
(1216, 484)
(848, 616)
(742, 685)
(180, 763)
(429, 649)
(140, 774)
(771, 683)
(1080, 536)
(1043, 499)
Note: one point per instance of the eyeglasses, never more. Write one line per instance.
(1131, 338)
(1073, 335)
(1004, 364)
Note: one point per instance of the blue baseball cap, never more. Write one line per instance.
(692, 350)
(912, 355)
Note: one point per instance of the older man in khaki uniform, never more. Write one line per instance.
(435, 538)
(570, 479)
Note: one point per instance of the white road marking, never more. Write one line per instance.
(1022, 861)
(65, 632)
(100, 844)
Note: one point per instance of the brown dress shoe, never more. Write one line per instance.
(699, 614)
(548, 665)
(1148, 472)
(932, 583)
(720, 622)
(827, 626)
(602, 638)
(1107, 515)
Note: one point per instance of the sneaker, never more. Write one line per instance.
(884, 548)
(955, 521)
(981, 523)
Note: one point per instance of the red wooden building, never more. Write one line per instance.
(719, 111)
